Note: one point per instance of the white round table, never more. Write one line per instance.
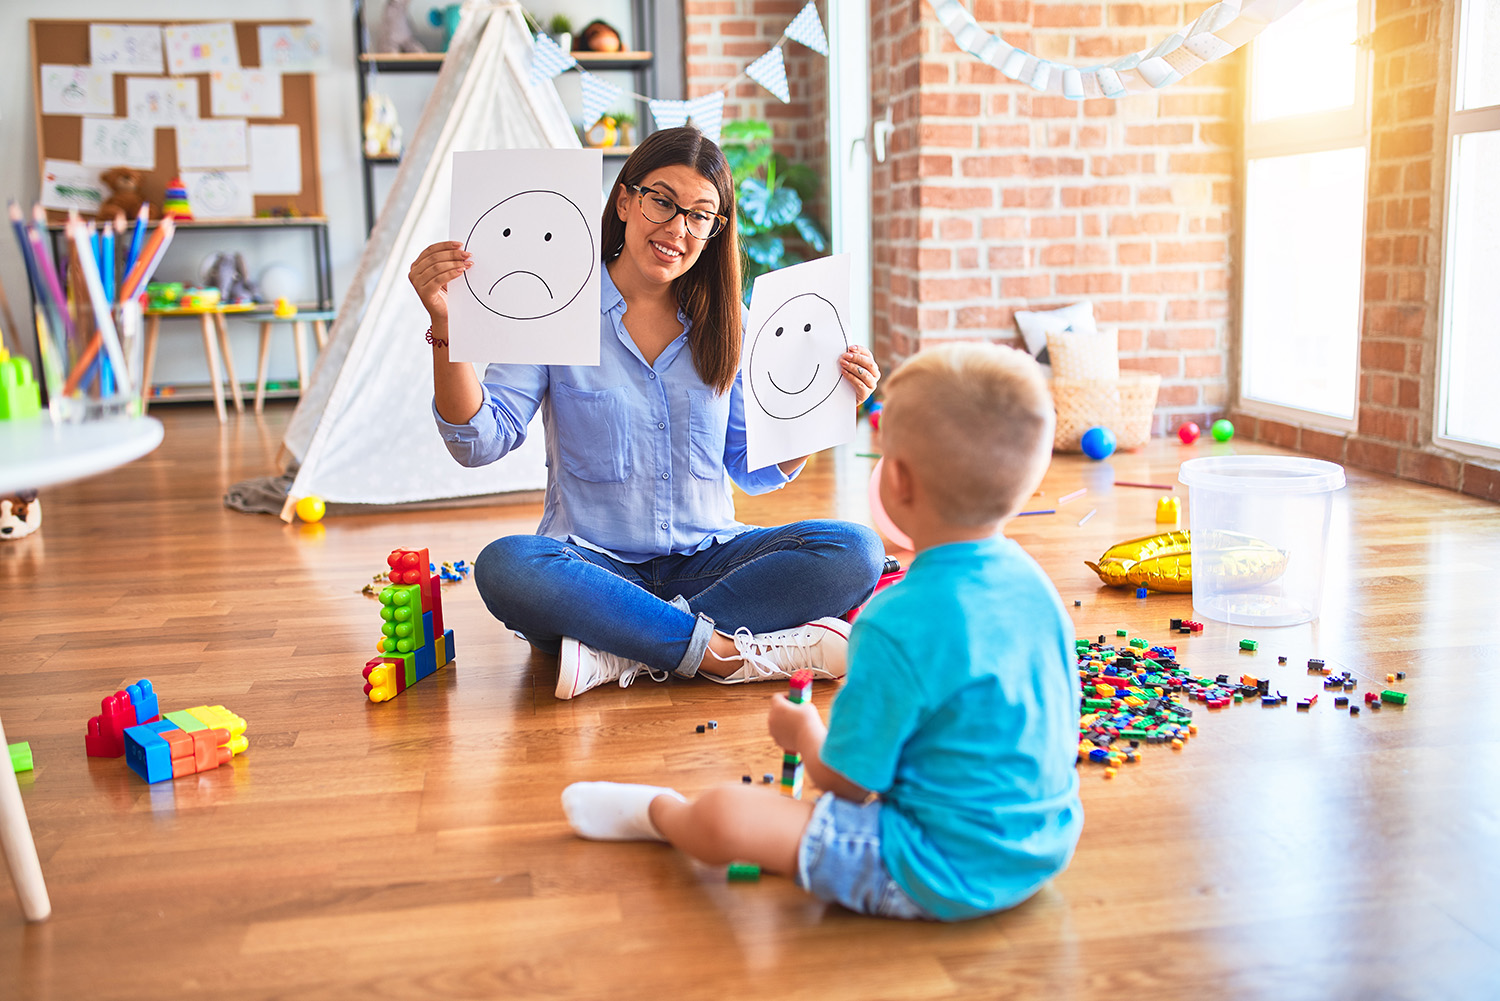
(36, 453)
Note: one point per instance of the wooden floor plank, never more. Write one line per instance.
(417, 849)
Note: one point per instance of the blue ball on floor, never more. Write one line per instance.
(1098, 443)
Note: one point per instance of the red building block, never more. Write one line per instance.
(106, 732)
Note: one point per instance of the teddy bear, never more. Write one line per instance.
(124, 193)
(20, 515)
(597, 36)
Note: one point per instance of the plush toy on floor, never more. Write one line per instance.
(20, 515)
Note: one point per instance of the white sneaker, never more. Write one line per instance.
(821, 646)
(581, 667)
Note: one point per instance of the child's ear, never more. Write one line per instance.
(903, 484)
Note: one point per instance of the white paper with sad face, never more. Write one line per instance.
(530, 218)
(797, 400)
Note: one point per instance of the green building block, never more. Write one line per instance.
(1122, 632)
(20, 395)
(1397, 698)
(1248, 645)
(20, 757)
(186, 721)
(743, 872)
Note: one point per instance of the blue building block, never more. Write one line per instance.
(448, 646)
(143, 697)
(147, 754)
(426, 654)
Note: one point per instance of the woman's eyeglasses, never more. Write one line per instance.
(660, 209)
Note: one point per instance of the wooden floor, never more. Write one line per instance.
(416, 849)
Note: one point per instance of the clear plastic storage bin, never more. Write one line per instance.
(1259, 536)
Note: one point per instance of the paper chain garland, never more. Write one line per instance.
(1218, 31)
(706, 112)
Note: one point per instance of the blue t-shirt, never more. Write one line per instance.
(960, 709)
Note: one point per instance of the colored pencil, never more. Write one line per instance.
(1086, 517)
(1148, 486)
(59, 267)
(103, 316)
(137, 237)
(867, 455)
(1072, 496)
(48, 269)
(1025, 513)
(107, 279)
(51, 365)
(133, 283)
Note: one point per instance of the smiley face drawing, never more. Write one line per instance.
(794, 361)
(533, 254)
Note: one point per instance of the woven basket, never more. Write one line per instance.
(1123, 405)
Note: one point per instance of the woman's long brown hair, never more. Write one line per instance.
(709, 292)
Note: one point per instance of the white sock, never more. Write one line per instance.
(613, 811)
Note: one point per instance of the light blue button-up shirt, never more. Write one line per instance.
(639, 457)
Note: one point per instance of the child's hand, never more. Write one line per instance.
(795, 726)
(431, 272)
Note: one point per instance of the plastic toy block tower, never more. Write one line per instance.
(135, 704)
(799, 691)
(184, 743)
(413, 643)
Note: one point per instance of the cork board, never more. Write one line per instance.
(60, 136)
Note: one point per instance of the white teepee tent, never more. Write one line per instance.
(363, 432)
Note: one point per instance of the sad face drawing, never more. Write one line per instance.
(533, 254)
(794, 361)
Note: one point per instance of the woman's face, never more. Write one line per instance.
(665, 251)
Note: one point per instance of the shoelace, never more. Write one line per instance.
(629, 674)
(754, 652)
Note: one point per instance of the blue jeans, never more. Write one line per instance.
(839, 860)
(663, 612)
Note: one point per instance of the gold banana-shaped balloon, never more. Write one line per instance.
(1164, 562)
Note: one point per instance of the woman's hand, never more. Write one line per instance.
(795, 726)
(431, 272)
(861, 371)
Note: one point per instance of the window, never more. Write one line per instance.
(1468, 419)
(1306, 162)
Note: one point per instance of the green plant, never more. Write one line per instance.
(622, 117)
(770, 192)
(559, 25)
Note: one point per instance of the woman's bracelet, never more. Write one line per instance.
(437, 342)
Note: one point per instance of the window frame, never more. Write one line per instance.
(1316, 132)
(1460, 123)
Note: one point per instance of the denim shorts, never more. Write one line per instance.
(839, 860)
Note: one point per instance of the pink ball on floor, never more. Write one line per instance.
(1189, 432)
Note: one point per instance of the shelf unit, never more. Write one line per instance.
(649, 26)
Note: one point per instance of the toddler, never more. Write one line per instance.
(948, 761)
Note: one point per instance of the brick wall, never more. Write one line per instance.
(996, 199)
(725, 36)
(1398, 356)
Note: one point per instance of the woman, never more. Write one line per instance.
(638, 565)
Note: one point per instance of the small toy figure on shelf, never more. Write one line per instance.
(124, 193)
(382, 130)
(603, 134)
(623, 121)
(175, 202)
(598, 36)
(394, 33)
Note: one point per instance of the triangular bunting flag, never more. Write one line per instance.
(770, 72)
(548, 60)
(669, 114)
(706, 113)
(598, 95)
(807, 28)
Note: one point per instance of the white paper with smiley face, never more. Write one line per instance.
(797, 400)
(530, 221)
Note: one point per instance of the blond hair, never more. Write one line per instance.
(974, 424)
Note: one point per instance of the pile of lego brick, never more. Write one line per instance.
(1135, 694)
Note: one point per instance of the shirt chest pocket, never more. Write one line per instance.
(593, 432)
(708, 419)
